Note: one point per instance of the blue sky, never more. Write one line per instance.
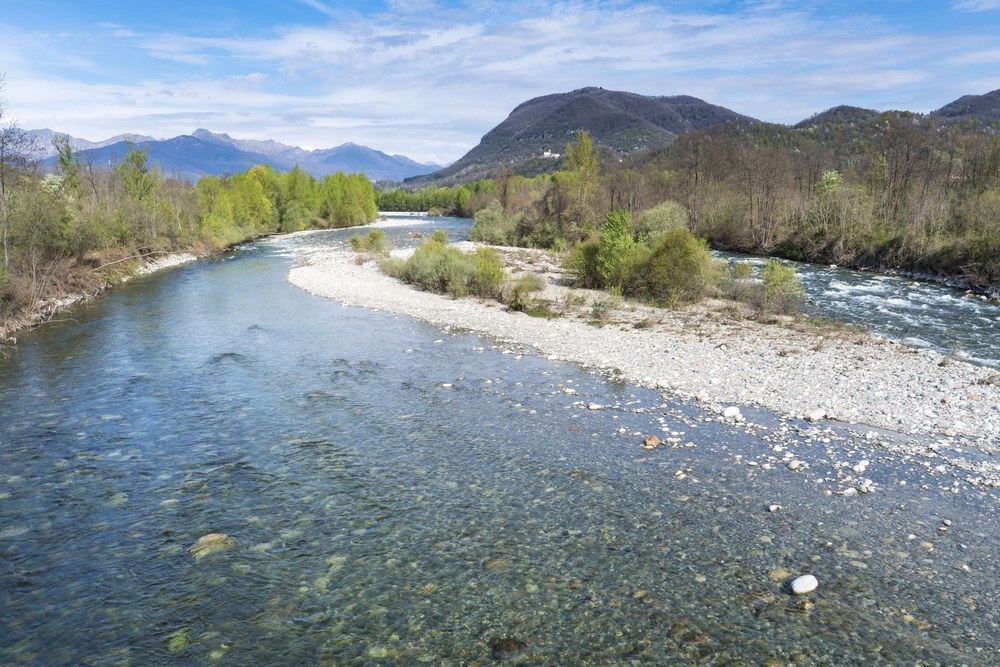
(427, 78)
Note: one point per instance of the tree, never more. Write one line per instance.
(15, 158)
(69, 162)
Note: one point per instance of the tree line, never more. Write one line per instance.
(78, 228)
(872, 191)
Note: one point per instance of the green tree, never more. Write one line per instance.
(615, 248)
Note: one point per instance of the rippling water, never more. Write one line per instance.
(922, 314)
(395, 494)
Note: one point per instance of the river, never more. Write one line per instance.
(396, 494)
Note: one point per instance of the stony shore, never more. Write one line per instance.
(940, 405)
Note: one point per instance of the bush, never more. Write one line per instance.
(493, 226)
(517, 294)
(783, 291)
(581, 263)
(373, 242)
(444, 269)
(490, 273)
(652, 224)
(440, 236)
(680, 269)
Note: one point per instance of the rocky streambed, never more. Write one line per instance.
(916, 402)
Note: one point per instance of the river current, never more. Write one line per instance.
(378, 491)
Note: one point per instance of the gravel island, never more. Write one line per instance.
(938, 405)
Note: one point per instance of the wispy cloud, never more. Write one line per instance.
(976, 5)
(428, 78)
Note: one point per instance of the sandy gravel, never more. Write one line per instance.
(708, 354)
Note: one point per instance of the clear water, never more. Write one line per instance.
(377, 516)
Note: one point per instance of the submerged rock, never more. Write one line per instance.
(210, 544)
(501, 647)
(651, 442)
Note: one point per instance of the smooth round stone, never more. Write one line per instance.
(804, 584)
(731, 412)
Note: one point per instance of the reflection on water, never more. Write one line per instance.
(395, 495)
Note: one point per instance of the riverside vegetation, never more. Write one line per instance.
(859, 189)
(75, 231)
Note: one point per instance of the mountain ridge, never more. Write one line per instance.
(206, 153)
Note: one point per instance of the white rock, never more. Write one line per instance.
(804, 584)
(595, 406)
(816, 415)
(794, 464)
(859, 469)
(774, 508)
(732, 412)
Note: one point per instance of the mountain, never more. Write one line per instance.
(206, 153)
(984, 109)
(43, 141)
(842, 114)
(536, 132)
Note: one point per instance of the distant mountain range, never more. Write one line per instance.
(530, 141)
(207, 153)
(535, 133)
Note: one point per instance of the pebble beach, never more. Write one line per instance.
(934, 405)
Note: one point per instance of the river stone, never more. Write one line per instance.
(209, 544)
(651, 442)
(732, 412)
(816, 415)
(804, 584)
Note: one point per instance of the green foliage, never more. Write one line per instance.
(581, 263)
(783, 291)
(137, 179)
(680, 269)
(517, 293)
(662, 218)
(614, 249)
(437, 267)
(373, 242)
(489, 273)
(493, 226)
(439, 236)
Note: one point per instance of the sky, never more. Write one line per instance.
(428, 78)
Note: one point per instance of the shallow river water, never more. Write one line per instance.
(395, 494)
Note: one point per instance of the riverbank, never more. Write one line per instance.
(944, 407)
(86, 290)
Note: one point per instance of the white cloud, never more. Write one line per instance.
(428, 81)
(976, 5)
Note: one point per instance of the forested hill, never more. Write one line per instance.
(535, 133)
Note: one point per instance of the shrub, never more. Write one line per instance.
(581, 263)
(373, 242)
(614, 249)
(662, 218)
(444, 269)
(783, 291)
(680, 269)
(489, 274)
(440, 236)
(741, 284)
(605, 304)
(492, 225)
(517, 293)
